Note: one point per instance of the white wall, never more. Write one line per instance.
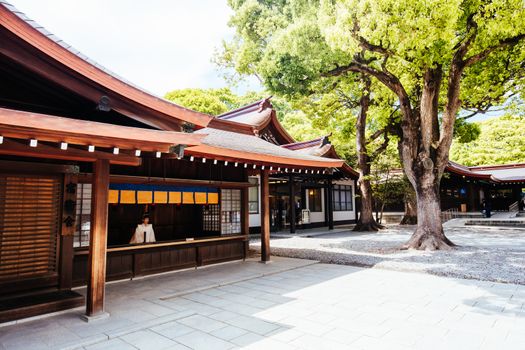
(346, 215)
(319, 215)
(255, 219)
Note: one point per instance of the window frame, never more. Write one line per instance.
(231, 211)
(254, 180)
(83, 208)
(313, 199)
(338, 203)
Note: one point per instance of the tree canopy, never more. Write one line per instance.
(501, 141)
(436, 57)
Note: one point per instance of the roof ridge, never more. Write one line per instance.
(302, 143)
(234, 112)
(498, 166)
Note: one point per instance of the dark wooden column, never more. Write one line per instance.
(67, 231)
(292, 204)
(330, 204)
(245, 218)
(265, 217)
(98, 240)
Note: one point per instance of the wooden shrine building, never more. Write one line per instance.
(84, 154)
(464, 188)
(301, 198)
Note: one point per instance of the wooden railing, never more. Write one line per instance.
(449, 214)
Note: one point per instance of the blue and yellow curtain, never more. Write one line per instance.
(149, 194)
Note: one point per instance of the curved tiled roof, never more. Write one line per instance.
(493, 173)
(50, 45)
(258, 115)
(220, 142)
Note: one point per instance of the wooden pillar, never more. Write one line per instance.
(98, 240)
(245, 218)
(292, 204)
(265, 217)
(67, 231)
(330, 204)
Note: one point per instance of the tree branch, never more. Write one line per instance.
(375, 135)
(365, 44)
(382, 147)
(501, 44)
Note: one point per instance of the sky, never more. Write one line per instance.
(159, 45)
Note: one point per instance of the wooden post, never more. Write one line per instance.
(67, 231)
(292, 204)
(98, 241)
(245, 218)
(265, 217)
(330, 204)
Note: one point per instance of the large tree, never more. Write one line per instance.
(436, 56)
(350, 101)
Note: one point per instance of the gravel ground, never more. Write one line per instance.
(484, 253)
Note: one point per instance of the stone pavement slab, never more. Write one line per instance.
(320, 306)
(142, 304)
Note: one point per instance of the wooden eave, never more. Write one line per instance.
(17, 128)
(160, 113)
(274, 122)
(468, 173)
(225, 154)
(26, 125)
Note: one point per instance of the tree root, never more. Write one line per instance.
(425, 239)
(368, 227)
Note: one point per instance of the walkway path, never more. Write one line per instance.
(316, 306)
(135, 305)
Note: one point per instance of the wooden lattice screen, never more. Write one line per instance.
(29, 225)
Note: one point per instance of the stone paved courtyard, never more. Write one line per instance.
(306, 306)
(484, 253)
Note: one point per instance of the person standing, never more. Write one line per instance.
(144, 232)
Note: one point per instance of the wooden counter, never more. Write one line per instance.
(129, 261)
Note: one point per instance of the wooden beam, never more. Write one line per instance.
(144, 180)
(15, 148)
(98, 240)
(44, 127)
(265, 217)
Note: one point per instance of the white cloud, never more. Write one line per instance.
(159, 45)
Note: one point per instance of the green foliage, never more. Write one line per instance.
(501, 141)
(292, 45)
(465, 132)
(209, 101)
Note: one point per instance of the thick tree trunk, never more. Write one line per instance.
(410, 215)
(429, 234)
(366, 220)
